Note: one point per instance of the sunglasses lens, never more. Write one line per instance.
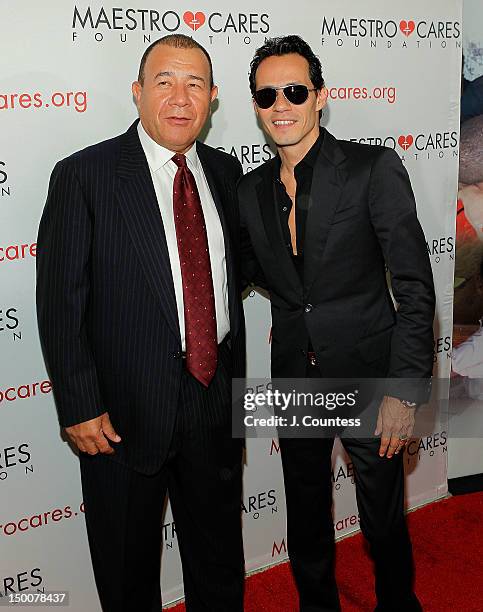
(265, 98)
(296, 94)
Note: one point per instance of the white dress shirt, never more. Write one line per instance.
(163, 171)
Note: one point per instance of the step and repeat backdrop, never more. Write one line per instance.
(393, 74)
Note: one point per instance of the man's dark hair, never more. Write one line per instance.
(283, 45)
(179, 41)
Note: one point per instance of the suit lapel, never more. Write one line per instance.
(139, 206)
(215, 183)
(327, 183)
(220, 192)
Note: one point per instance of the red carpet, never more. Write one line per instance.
(447, 541)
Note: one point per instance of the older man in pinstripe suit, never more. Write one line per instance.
(141, 322)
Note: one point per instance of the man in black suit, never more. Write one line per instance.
(142, 326)
(319, 223)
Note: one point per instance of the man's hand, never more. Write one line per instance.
(91, 436)
(395, 421)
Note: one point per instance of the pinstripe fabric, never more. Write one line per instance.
(105, 298)
(203, 476)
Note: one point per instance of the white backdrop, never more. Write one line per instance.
(66, 69)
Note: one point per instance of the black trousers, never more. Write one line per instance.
(310, 528)
(124, 513)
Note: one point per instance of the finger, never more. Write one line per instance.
(81, 446)
(103, 445)
(385, 440)
(78, 443)
(393, 444)
(90, 447)
(106, 448)
(400, 447)
(108, 430)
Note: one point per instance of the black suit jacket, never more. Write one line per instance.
(105, 297)
(362, 216)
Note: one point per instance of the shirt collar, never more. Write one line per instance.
(158, 156)
(310, 158)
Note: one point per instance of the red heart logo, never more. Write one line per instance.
(405, 141)
(407, 27)
(194, 20)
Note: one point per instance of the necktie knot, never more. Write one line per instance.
(179, 160)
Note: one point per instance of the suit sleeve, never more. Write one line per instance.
(63, 284)
(251, 271)
(393, 215)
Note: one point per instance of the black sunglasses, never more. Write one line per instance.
(295, 94)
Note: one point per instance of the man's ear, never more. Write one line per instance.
(214, 93)
(136, 89)
(322, 98)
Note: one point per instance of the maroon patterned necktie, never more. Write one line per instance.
(198, 294)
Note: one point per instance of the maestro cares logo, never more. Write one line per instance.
(441, 248)
(10, 323)
(4, 186)
(342, 474)
(417, 146)
(226, 27)
(261, 502)
(170, 537)
(249, 155)
(397, 33)
(15, 459)
(433, 445)
(17, 581)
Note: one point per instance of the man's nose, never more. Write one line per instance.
(179, 95)
(281, 103)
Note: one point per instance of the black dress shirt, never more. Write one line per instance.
(303, 172)
(303, 175)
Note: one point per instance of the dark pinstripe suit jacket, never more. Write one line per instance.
(105, 298)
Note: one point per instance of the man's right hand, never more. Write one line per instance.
(92, 436)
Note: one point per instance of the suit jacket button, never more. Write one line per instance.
(176, 355)
(308, 308)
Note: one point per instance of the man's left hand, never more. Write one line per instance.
(395, 424)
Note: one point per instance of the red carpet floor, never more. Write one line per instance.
(447, 541)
